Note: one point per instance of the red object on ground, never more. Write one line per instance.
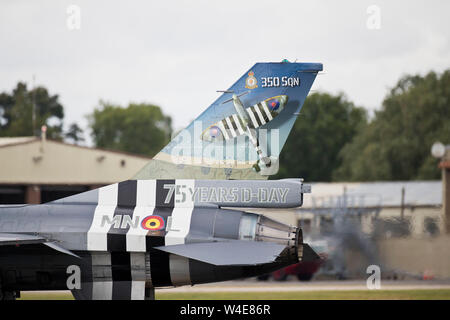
(303, 270)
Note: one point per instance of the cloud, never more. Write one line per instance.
(177, 53)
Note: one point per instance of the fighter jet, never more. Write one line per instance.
(183, 219)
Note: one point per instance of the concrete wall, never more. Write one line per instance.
(56, 163)
(416, 245)
(417, 256)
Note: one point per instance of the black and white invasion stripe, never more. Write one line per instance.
(124, 260)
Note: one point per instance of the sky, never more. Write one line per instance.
(176, 54)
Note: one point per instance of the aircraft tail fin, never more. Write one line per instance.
(241, 134)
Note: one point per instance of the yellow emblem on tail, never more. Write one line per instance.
(251, 82)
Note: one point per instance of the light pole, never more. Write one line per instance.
(442, 152)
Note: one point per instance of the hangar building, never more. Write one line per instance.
(404, 219)
(36, 170)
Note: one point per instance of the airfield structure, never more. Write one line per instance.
(36, 170)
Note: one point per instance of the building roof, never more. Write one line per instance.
(15, 140)
(375, 194)
(30, 160)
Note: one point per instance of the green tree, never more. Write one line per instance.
(326, 123)
(396, 144)
(16, 112)
(139, 128)
(74, 134)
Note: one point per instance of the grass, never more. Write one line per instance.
(314, 295)
(421, 294)
(50, 295)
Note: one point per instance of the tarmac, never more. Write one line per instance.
(252, 285)
(292, 285)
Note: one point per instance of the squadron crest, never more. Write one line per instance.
(251, 82)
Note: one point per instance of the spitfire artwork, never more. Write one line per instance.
(181, 220)
(235, 125)
(238, 124)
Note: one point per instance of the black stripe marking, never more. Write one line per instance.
(225, 124)
(160, 268)
(233, 124)
(85, 292)
(263, 113)
(159, 260)
(121, 275)
(126, 201)
(163, 199)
